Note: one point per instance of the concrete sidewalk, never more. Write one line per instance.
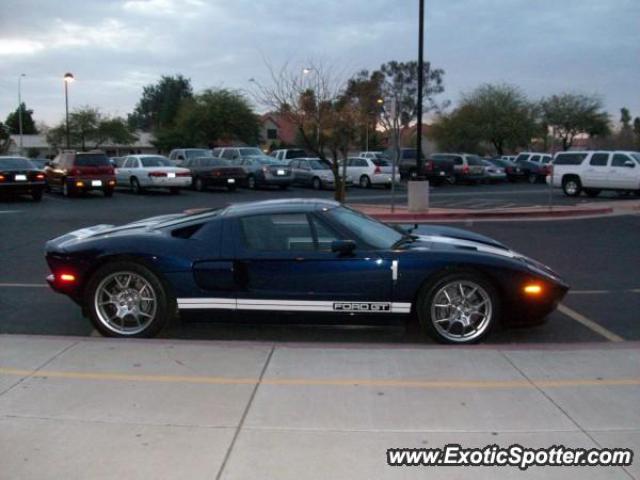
(163, 409)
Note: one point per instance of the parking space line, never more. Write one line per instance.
(588, 292)
(23, 285)
(331, 382)
(590, 324)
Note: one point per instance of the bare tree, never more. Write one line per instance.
(311, 98)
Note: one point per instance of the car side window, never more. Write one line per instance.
(599, 160)
(324, 235)
(127, 163)
(619, 160)
(277, 232)
(457, 161)
(228, 154)
(535, 158)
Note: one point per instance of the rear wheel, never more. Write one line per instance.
(458, 308)
(36, 195)
(532, 178)
(126, 299)
(592, 192)
(198, 184)
(365, 181)
(174, 190)
(251, 182)
(571, 186)
(231, 187)
(316, 184)
(108, 192)
(135, 186)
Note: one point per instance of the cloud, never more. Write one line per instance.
(115, 47)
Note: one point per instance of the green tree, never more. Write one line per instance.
(625, 118)
(28, 124)
(213, 116)
(364, 93)
(636, 131)
(571, 114)
(499, 115)
(160, 102)
(5, 137)
(88, 127)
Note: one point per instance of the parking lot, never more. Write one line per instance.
(594, 256)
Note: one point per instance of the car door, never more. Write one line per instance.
(122, 176)
(596, 171)
(623, 172)
(284, 262)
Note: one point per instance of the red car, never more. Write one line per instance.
(77, 172)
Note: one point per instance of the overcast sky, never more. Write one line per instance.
(114, 47)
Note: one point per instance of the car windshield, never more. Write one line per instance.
(636, 156)
(370, 231)
(198, 152)
(318, 165)
(250, 151)
(92, 160)
(156, 162)
(15, 163)
(262, 160)
(296, 154)
(380, 162)
(474, 160)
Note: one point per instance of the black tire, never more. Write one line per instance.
(232, 187)
(316, 183)
(532, 178)
(166, 305)
(571, 186)
(174, 190)
(135, 186)
(592, 192)
(251, 182)
(427, 295)
(36, 195)
(365, 181)
(198, 185)
(108, 192)
(284, 187)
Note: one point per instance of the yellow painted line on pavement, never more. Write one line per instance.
(590, 324)
(348, 382)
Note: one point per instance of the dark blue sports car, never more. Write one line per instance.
(307, 258)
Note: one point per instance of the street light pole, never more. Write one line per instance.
(68, 77)
(420, 81)
(20, 108)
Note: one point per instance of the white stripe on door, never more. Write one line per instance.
(277, 305)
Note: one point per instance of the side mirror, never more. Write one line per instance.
(343, 247)
(629, 164)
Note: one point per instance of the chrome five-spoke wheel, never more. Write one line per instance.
(461, 311)
(125, 303)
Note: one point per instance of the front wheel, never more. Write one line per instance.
(135, 186)
(316, 184)
(458, 308)
(251, 182)
(126, 299)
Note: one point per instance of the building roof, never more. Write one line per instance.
(286, 129)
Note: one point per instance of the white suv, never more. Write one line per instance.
(594, 171)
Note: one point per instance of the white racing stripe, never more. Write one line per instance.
(292, 305)
(481, 247)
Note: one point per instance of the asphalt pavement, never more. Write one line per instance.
(594, 255)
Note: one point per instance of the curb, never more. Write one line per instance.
(425, 217)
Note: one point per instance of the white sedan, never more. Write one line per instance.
(139, 172)
(371, 171)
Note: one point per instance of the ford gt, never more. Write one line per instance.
(303, 259)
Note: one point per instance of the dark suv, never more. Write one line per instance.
(78, 172)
